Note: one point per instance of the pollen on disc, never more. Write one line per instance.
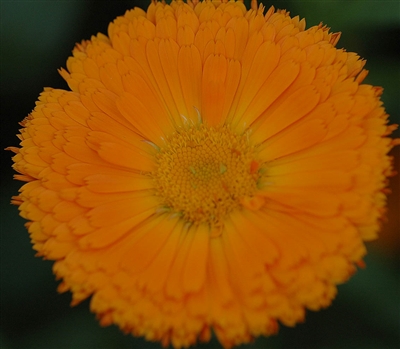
(204, 173)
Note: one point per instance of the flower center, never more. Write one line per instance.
(204, 173)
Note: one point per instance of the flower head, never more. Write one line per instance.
(213, 168)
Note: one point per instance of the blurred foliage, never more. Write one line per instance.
(36, 38)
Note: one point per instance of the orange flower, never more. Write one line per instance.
(213, 168)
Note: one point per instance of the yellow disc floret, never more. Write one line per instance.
(204, 173)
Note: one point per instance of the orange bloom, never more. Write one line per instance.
(213, 168)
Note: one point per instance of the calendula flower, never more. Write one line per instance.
(213, 169)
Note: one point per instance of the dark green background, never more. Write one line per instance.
(36, 39)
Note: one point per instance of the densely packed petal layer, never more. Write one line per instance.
(289, 144)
